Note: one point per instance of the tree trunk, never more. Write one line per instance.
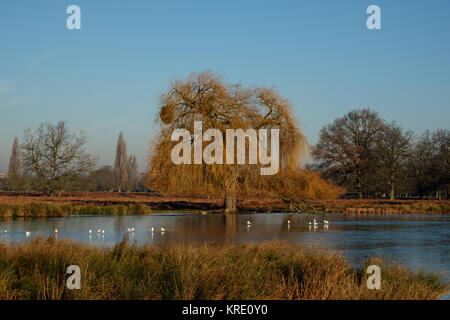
(392, 192)
(230, 203)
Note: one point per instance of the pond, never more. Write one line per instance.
(415, 240)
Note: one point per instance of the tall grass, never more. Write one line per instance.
(36, 270)
(378, 206)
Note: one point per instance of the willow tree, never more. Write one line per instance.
(205, 97)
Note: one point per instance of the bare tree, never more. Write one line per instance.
(55, 156)
(3, 181)
(102, 179)
(429, 163)
(120, 164)
(393, 151)
(132, 173)
(346, 149)
(14, 171)
(422, 165)
(441, 141)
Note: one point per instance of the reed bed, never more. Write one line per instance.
(45, 209)
(376, 206)
(272, 270)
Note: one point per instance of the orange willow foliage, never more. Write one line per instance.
(204, 97)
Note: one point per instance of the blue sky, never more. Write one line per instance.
(107, 77)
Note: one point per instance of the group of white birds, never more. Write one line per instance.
(28, 233)
(99, 231)
(162, 230)
(152, 229)
(313, 223)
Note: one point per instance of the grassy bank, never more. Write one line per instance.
(36, 270)
(376, 206)
(35, 204)
(43, 209)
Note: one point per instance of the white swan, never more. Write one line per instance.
(289, 221)
(5, 230)
(90, 231)
(325, 221)
(153, 229)
(162, 229)
(204, 212)
(103, 231)
(249, 223)
(99, 230)
(131, 229)
(27, 233)
(315, 223)
(56, 230)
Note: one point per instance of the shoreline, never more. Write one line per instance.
(35, 204)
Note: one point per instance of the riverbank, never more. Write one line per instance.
(35, 204)
(271, 270)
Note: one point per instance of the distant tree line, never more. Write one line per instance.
(373, 158)
(359, 151)
(53, 159)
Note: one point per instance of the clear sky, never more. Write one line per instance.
(107, 77)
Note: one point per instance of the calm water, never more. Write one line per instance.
(417, 241)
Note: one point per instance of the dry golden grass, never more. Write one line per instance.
(36, 270)
(379, 206)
